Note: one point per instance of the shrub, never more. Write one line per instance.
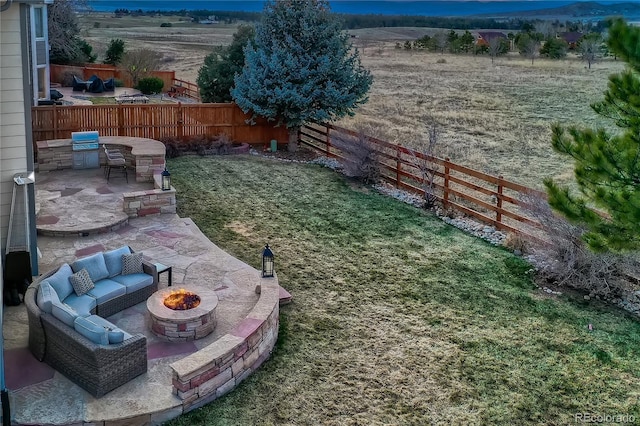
(118, 82)
(200, 144)
(212, 145)
(224, 143)
(166, 25)
(150, 85)
(360, 157)
(67, 78)
(566, 260)
(441, 61)
(516, 243)
(171, 145)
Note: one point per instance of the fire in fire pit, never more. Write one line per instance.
(181, 300)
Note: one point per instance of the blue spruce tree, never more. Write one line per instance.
(300, 68)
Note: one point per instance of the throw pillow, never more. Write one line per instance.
(132, 264)
(116, 336)
(81, 282)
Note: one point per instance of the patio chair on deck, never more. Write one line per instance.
(115, 159)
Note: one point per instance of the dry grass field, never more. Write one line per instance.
(493, 117)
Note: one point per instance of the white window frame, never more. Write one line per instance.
(35, 66)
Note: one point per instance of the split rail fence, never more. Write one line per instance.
(155, 121)
(490, 199)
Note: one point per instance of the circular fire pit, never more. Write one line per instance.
(183, 322)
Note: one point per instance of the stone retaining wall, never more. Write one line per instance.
(153, 201)
(218, 368)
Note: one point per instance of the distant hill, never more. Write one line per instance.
(591, 9)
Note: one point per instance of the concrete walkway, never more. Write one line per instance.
(40, 395)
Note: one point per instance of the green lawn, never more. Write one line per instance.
(397, 317)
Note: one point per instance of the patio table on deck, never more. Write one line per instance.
(145, 156)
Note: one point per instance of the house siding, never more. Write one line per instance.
(13, 135)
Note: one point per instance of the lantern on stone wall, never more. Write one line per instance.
(267, 262)
(166, 180)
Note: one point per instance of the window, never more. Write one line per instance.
(38, 22)
(39, 53)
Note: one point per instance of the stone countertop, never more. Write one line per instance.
(139, 146)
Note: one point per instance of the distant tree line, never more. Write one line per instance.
(350, 22)
(531, 41)
(228, 17)
(374, 21)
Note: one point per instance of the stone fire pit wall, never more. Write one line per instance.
(218, 368)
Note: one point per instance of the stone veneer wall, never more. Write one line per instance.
(55, 158)
(60, 156)
(147, 166)
(153, 201)
(218, 368)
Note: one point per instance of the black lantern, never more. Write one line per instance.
(267, 262)
(166, 179)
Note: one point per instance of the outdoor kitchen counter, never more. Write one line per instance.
(146, 156)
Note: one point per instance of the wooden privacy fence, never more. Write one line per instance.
(61, 74)
(490, 199)
(155, 121)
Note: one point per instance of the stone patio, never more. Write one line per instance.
(40, 395)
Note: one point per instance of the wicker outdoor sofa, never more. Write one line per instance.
(96, 367)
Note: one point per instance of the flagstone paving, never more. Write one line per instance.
(41, 395)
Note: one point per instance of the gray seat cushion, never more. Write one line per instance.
(83, 305)
(106, 290)
(134, 282)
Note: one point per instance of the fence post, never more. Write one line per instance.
(328, 142)
(499, 200)
(398, 166)
(55, 122)
(445, 185)
(180, 129)
(120, 108)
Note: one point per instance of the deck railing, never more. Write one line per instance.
(185, 88)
